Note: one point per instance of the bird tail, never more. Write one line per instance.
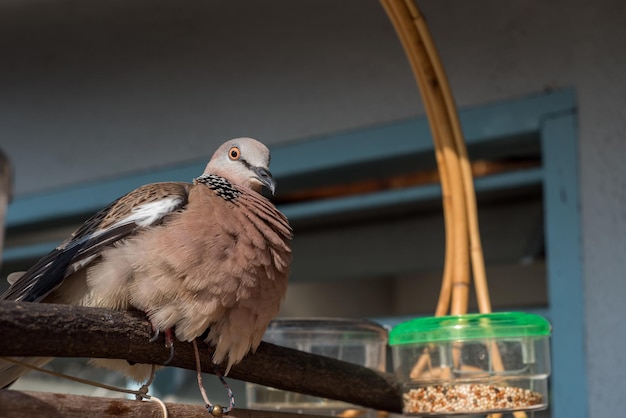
(10, 372)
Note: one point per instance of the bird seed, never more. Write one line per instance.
(468, 398)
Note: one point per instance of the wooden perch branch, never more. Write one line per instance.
(48, 330)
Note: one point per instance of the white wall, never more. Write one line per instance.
(95, 88)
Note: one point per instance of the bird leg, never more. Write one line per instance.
(214, 409)
(169, 343)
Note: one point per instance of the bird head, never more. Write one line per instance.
(243, 161)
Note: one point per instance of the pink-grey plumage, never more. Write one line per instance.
(214, 255)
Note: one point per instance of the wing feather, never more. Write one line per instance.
(141, 208)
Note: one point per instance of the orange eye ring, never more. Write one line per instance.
(234, 153)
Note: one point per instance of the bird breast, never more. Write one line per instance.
(218, 263)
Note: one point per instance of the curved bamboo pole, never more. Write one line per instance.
(445, 293)
(456, 269)
(476, 251)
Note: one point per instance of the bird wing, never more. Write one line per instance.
(143, 207)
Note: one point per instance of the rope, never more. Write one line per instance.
(141, 393)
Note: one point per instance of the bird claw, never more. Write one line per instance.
(155, 336)
(169, 342)
(169, 359)
(229, 392)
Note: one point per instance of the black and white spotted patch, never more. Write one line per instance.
(219, 185)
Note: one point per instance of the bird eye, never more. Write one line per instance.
(234, 153)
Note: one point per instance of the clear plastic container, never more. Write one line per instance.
(354, 341)
(472, 364)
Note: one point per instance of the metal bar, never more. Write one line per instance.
(564, 263)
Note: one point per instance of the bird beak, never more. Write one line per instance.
(266, 179)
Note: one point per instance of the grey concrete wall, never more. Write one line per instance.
(95, 88)
(498, 51)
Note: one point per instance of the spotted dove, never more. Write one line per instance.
(213, 255)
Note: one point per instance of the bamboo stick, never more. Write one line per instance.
(460, 276)
(445, 293)
(401, 22)
(476, 251)
(454, 213)
(441, 123)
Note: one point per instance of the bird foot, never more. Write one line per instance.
(155, 336)
(169, 341)
(169, 338)
(169, 359)
(229, 392)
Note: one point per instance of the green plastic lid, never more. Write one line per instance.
(469, 327)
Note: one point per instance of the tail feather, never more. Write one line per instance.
(41, 279)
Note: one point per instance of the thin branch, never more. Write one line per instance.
(48, 330)
(14, 404)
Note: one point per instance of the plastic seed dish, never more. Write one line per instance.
(355, 341)
(472, 364)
